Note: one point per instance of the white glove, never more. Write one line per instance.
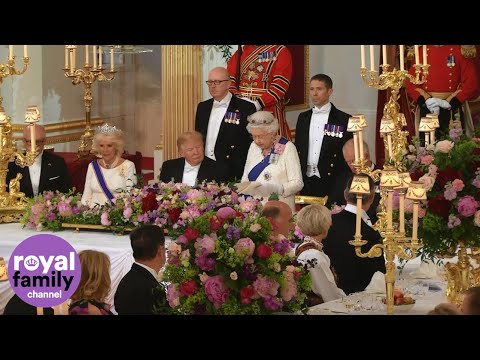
(254, 102)
(444, 104)
(433, 105)
(268, 189)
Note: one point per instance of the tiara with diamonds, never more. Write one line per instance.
(106, 129)
(261, 118)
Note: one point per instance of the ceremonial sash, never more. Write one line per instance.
(257, 169)
(101, 180)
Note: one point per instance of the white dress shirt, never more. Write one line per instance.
(149, 269)
(315, 138)
(353, 209)
(217, 115)
(35, 170)
(190, 173)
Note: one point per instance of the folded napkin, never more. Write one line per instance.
(377, 284)
(427, 270)
(248, 187)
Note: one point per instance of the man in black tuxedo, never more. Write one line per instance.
(319, 137)
(138, 291)
(193, 166)
(48, 172)
(338, 193)
(353, 273)
(222, 120)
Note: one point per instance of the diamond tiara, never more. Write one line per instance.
(261, 118)
(106, 129)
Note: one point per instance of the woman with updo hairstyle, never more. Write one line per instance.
(272, 164)
(109, 175)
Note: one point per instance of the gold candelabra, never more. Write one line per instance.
(393, 176)
(88, 75)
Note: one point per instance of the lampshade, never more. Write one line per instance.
(426, 124)
(363, 120)
(416, 191)
(435, 122)
(405, 180)
(403, 119)
(387, 125)
(32, 114)
(390, 179)
(354, 124)
(360, 185)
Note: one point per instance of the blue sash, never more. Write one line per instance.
(257, 169)
(101, 180)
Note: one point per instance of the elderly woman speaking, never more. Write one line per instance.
(272, 164)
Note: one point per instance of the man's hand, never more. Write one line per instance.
(433, 105)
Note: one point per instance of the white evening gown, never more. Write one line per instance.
(118, 179)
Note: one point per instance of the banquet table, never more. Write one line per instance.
(116, 247)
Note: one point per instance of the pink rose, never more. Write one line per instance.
(245, 246)
(458, 185)
(427, 159)
(467, 206)
(173, 295)
(216, 290)
(226, 213)
(444, 146)
(289, 289)
(127, 213)
(104, 219)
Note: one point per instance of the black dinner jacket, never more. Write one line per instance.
(233, 140)
(209, 170)
(330, 161)
(353, 273)
(136, 293)
(53, 175)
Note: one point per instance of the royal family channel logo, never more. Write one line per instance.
(44, 270)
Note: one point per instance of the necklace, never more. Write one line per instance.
(309, 240)
(110, 166)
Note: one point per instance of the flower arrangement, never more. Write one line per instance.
(225, 261)
(450, 170)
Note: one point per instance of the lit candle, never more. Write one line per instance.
(401, 206)
(372, 59)
(389, 209)
(415, 222)
(66, 57)
(355, 145)
(72, 62)
(425, 55)
(417, 56)
(362, 53)
(384, 54)
(402, 60)
(25, 51)
(10, 52)
(360, 143)
(389, 141)
(100, 62)
(33, 140)
(94, 56)
(112, 64)
(86, 55)
(358, 224)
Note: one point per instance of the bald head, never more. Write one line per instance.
(349, 154)
(221, 75)
(39, 137)
(281, 213)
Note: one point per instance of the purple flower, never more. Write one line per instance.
(455, 134)
(450, 193)
(467, 206)
(50, 216)
(205, 263)
(282, 247)
(48, 195)
(104, 219)
(249, 272)
(453, 221)
(233, 233)
(272, 303)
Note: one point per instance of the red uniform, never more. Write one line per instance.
(449, 71)
(265, 75)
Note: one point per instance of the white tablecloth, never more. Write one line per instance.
(116, 247)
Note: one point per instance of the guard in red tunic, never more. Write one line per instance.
(264, 75)
(452, 81)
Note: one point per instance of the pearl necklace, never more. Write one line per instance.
(110, 166)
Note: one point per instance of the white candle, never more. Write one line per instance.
(417, 56)
(362, 53)
(10, 52)
(389, 209)
(389, 141)
(384, 54)
(402, 63)
(401, 206)
(66, 57)
(86, 56)
(25, 51)
(360, 143)
(71, 62)
(427, 136)
(415, 222)
(33, 140)
(112, 64)
(425, 55)
(432, 136)
(94, 56)
(372, 59)
(358, 224)
(355, 145)
(100, 62)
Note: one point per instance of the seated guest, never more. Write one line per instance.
(111, 174)
(338, 191)
(136, 293)
(16, 306)
(48, 172)
(94, 286)
(470, 304)
(272, 162)
(192, 167)
(280, 215)
(354, 273)
(314, 221)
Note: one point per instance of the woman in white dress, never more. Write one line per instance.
(272, 164)
(315, 221)
(109, 175)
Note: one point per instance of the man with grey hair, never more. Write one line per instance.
(353, 273)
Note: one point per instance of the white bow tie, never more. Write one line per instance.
(189, 168)
(323, 110)
(217, 104)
